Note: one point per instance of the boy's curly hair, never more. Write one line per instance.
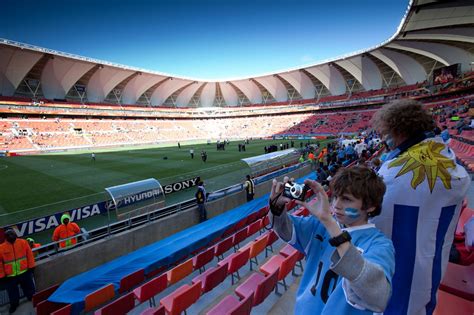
(363, 183)
(403, 117)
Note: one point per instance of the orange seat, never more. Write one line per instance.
(180, 272)
(181, 299)
(256, 248)
(148, 290)
(447, 303)
(99, 297)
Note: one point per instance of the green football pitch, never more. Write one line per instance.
(35, 186)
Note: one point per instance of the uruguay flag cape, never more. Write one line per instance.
(425, 189)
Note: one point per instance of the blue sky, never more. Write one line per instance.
(208, 39)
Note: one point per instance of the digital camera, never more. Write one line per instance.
(295, 191)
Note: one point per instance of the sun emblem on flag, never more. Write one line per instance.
(425, 161)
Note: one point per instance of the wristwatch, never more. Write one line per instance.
(340, 239)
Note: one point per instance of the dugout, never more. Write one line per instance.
(266, 163)
(132, 199)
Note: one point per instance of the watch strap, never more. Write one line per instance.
(340, 239)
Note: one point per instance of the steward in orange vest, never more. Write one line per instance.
(66, 230)
(16, 265)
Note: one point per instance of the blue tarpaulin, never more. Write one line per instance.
(151, 257)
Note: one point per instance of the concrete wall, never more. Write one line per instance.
(65, 265)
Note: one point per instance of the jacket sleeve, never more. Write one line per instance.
(56, 234)
(76, 228)
(29, 256)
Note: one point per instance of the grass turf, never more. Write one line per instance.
(34, 186)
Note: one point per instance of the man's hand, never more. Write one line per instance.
(320, 209)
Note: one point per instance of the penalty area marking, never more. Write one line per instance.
(3, 167)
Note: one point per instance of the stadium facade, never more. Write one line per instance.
(432, 34)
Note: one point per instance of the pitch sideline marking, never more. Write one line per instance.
(3, 167)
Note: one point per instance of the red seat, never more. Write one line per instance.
(43, 294)
(235, 262)
(252, 218)
(263, 212)
(154, 311)
(99, 297)
(256, 248)
(238, 237)
(284, 264)
(46, 307)
(259, 286)
(272, 238)
(230, 305)
(200, 260)
(222, 247)
(130, 281)
(448, 303)
(459, 280)
(264, 222)
(288, 250)
(148, 290)
(253, 228)
(66, 310)
(181, 299)
(120, 306)
(212, 277)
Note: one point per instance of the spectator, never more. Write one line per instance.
(425, 189)
(191, 152)
(348, 269)
(65, 232)
(201, 198)
(16, 265)
(445, 134)
(249, 188)
(93, 157)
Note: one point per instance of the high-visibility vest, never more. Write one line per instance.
(64, 231)
(15, 258)
(250, 187)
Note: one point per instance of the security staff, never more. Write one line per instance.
(16, 265)
(64, 231)
(249, 188)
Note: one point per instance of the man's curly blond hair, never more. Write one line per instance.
(403, 118)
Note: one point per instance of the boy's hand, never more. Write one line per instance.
(276, 197)
(320, 209)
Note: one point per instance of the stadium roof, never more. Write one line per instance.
(432, 34)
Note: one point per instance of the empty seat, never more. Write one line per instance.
(256, 248)
(449, 304)
(259, 286)
(235, 262)
(230, 305)
(284, 264)
(253, 228)
(252, 217)
(222, 247)
(238, 237)
(201, 259)
(130, 281)
(272, 238)
(264, 222)
(99, 297)
(181, 298)
(459, 280)
(120, 306)
(154, 311)
(66, 310)
(212, 277)
(148, 290)
(43, 294)
(46, 307)
(180, 272)
(289, 250)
